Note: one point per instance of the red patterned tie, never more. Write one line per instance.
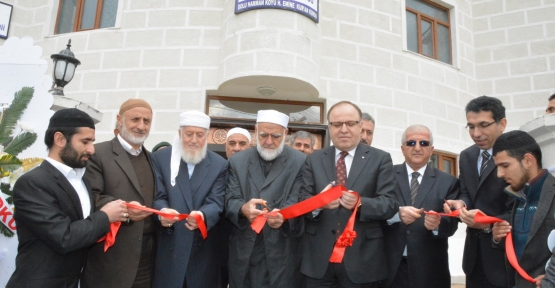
(341, 169)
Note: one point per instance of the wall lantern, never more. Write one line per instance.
(64, 69)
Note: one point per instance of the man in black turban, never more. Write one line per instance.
(55, 220)
(519, 162)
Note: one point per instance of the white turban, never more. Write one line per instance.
(272, 116)
(238, 130)
(194, 118)
(188, 118)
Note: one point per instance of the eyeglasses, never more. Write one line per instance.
(340, 124)
(480, 126)
(412, 143)
(550, 110)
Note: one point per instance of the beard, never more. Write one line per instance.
(270, 154)
(130, 137)
(191, 156)
(522, 181)
(71, 158)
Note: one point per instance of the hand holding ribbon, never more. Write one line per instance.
(347, 237)
(110, 238)
(300, 208)
(509, 247)
(313, 203)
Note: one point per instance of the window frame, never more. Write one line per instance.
(78, 17)
(449, 157)
(434, 21)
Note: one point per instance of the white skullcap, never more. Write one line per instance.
(238, 130)
(272, 116)
(194, 118)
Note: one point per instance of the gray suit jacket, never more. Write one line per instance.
(178, 246)
(371, 175)
(427, 252)
(113, 177)
(536, 253)
(53, 236)
(280, 189)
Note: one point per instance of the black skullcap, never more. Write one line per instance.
(512, 140)
(71, 117)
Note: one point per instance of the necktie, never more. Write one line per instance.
(485, 158)
(414, 186)
(341, 169)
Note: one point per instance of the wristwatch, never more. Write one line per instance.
(487, 230)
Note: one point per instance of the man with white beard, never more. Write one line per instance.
(265, 178)
(190, 180)
(121, 169)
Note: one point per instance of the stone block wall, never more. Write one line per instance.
(174, 52)
(515, 55)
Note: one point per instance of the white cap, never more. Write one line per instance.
(194, 118)
(238, 130)
(272, 116)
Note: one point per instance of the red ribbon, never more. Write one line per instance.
(347, 237)
(110, 237)
(509, 247)
(454, 213)
(301, 208)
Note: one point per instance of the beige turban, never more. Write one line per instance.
(132, 103)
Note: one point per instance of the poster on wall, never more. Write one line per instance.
(5, 17)
(309, 8)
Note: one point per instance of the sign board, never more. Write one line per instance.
(309, 8)
(5, 18)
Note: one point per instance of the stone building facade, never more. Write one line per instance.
(174, 53)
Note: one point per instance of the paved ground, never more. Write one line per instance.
(457, 286)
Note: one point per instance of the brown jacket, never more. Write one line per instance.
(112, 177)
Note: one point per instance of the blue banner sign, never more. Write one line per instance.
(309, 8)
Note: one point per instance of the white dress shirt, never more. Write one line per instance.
(75, 178)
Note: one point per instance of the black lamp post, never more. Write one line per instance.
(64, 69)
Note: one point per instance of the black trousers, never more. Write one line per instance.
(401, 279)
(336, 277)
(477, 279)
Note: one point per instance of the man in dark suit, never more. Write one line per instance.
(369, 172)
(237, 140)
(191, 180)
(482, 190)
(121, 169)
(519, 162)
(417, 246)
(54, 209)
(268, 175)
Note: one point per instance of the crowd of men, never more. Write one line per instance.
(65, 207)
